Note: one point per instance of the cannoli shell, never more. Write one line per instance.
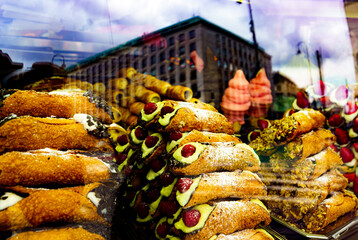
(44, 167)
(307, 120)
(156, 85)
(221, 185)
(42, 104)
(247, 234)
(220, 157)
(117, 83)
(44, 207)
(58, 234)
(180, 93)
(187, 119)
(328, 211)
(29, 133)
(136, 107)
(309, 144)
(231, 216)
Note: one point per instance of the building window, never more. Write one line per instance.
(223, 40)
(182, 63)
(162, 43)
(171, 53)
(171, 41)
(171, 67)
(192, 47)
(144, 63)
(182, 77)
(152, 48)
(212, 97)
(153, 72)
(193, 75)
(152, 60)
(135, 65)
(162, 69)
(162, 56)
(217, 38)
(144, 50)
(181, 50)
(181, 37)
(192, 34)
(172, 80)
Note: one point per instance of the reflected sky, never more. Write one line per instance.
(36, 30)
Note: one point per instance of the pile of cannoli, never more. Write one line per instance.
(188, 177)
(58, 179)
(305, 187)
(127, 93)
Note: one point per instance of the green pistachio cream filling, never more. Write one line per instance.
(183, 198)
(165, 120)
(148, 117)
(205, 211)
(147, 151)
(199, 148)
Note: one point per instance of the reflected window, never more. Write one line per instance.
(181, 50)
(171, 41)
(181, 37)
(192, 34)
(192, 47)
(152, 60)
(153, 72)
(162, 56)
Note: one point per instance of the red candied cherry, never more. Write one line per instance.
(188, 150)
(341, 93)
(184, 184)
(355, 125)
(169, 207)
(175, 136)
(157, 164)
(302, 100)
(342, 136)
(334, 147)
(166, 179)
(150, 108)
(355, 146)
(120, 158)
(351, 107)
(122, 140)
(127, 170)
(335, 120)
(319, 88)
(346, 154)
(166, 110)
(350, 176)
(355, 185)
(325, 101)
(140, 133)
(142, 209)
(191, 218)
(263, 123)
(253, 135)
(163, 229)
(150, 141)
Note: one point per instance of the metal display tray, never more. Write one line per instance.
(336, 230)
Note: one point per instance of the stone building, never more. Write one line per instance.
(193, 53)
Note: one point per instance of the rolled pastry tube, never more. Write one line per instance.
(77, 233)
(178, 139)
(249, 234)
(25, 208)
(308, 144)
(99, 88)
(301, 198)
(224, 217)
(180, 116)
(51, 167)
(136, 107)
(115, 96)
(308, 168)
(61, 105)
(117, 83)
(328, 211)
(213, 157)
(180, 93)
(286, 129)
(29, 133)
(131, 120)
(221, 185)
(156, 85)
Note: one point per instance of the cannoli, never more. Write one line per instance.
(114, 96)
(178, 139)
(156, 85)
(58, 234)
(29, 133)
(225, 217)
(48, 84)
(180, 93)
(47, 167)
(24, 207)
(136, 107)
(197, 158)
(219, 185)
(61, 105)
(286, 129)
(308, 144)
(308, 168)
(142, 94)
(152, 147)
(293, 202)
(99, 88)
(248, 234)
(335, 206)
(117, 83)
(169, 116)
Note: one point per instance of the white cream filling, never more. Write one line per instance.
(83, 119)
(9, 199)
(92, 197)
